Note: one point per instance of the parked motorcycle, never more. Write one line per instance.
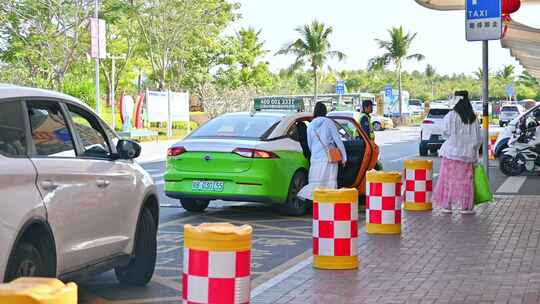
(523, 152)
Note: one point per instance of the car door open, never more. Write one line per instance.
(362, 154)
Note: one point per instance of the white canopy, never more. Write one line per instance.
(522, 40)
(448, 5)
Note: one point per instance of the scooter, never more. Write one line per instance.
(523, 152)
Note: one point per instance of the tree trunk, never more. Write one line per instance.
(316, 87)
(400, 92)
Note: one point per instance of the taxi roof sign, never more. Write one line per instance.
(278, 104)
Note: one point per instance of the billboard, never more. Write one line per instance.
(391, 103)
(157, 106)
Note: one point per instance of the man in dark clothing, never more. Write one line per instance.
(365, 118)
(367, 126)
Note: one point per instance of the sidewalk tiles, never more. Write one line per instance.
(492, 257)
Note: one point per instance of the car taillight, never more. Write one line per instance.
(175, 151)
(254, 153)
(428, 122)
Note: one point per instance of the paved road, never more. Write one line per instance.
(279, 242)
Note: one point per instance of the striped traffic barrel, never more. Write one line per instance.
(217, 263)
(335, 229)
(418, 185)
(383, 202)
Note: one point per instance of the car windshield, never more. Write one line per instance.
(510, 109)
(415, 103)
(238, 126)
(438, 113)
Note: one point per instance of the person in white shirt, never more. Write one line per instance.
(459, 154)
(322, 133)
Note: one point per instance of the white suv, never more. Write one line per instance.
(509, 113)
(431, 138)
(73, 200)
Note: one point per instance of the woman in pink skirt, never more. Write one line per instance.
(459, 153)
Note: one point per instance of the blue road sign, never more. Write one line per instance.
(483, 20)
(388, 91)
(340, 87)
(510, 90)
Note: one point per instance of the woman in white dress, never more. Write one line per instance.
(322, 133)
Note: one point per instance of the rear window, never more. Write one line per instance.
(438, 113)
(12, 130)
(415, 103)
(238, 126)
(510, 109)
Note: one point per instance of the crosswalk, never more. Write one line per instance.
(512, 184)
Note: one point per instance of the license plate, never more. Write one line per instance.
(211, 186)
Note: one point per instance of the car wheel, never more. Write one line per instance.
(423, 149)
(140, 269)
(28, 262)
(194, 205)
(509, 166)
(501, 124)
(294, 205)
(377, 126)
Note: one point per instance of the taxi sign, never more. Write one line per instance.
(279, 104)
(483, 20)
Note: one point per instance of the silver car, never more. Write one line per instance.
(73, 200)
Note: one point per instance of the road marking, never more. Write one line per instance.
(254, 223)
(280, 277)
(403, 158)
(512, 184)
(178, 221)
(167, 283)
(160, 175)
(150, 300)
(269, 275)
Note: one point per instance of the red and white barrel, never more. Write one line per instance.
(216, 264)
(491, 146)
(418, 185)
(335, 229)
(383, 202)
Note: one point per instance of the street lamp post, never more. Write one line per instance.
(485, 97)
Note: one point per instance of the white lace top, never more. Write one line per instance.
(463, 141)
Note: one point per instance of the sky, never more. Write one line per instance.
(356, 23)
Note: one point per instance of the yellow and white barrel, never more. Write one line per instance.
(217, 263)
(335, 229)
(38, 291)
(383, 202)
(418, 185)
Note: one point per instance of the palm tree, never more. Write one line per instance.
(528, 79)
(397, 51)
(479, 73)
(430, 73)
(313, 47)
(506, 73)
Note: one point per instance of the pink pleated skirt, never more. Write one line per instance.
(455, 185)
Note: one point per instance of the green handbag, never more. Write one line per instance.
(482, 190)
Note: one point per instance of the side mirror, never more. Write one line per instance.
(128, 149)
